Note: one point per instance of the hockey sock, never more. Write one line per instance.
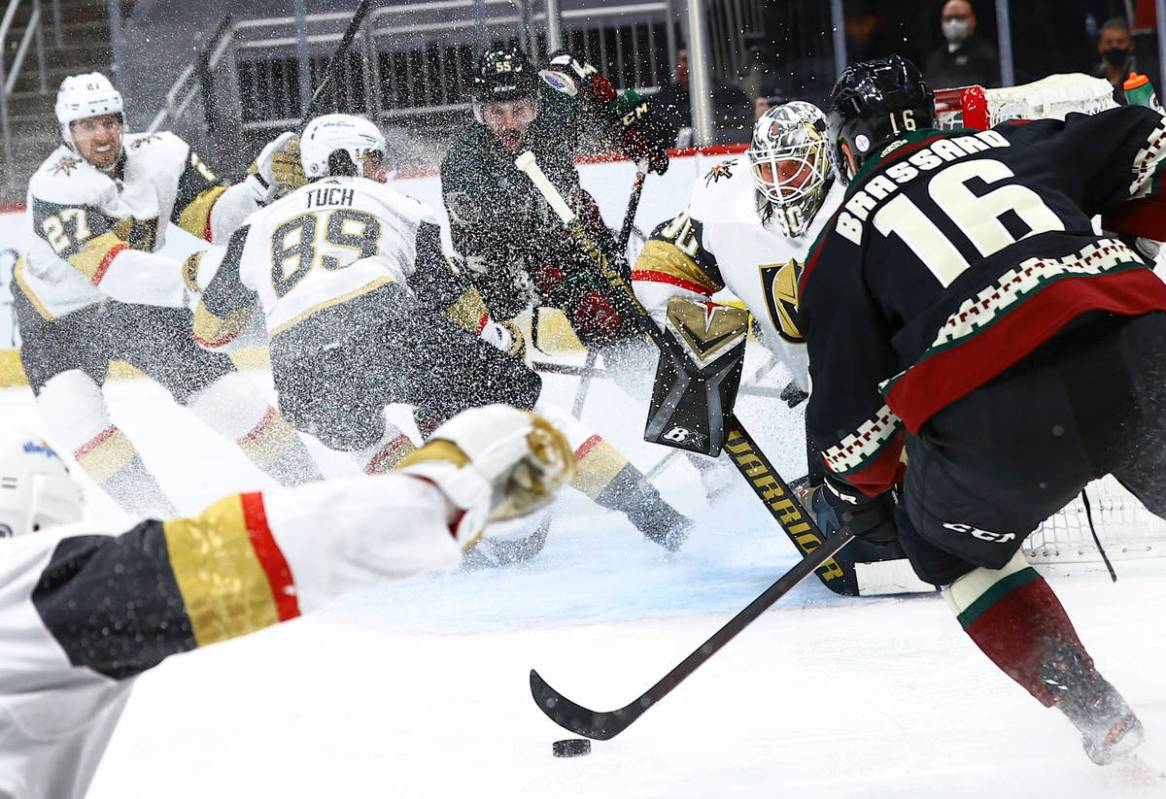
(233, 408)
(1018, 622)
(77, 417)
(113, 462)
(384, 455)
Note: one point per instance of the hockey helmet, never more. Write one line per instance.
(84, 96)
(874, 103)
(793, 133)
(326, 135)
(36, 490)
(503, 73)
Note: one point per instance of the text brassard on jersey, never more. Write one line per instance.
(859, 207)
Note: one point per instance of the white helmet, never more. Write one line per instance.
(36, 490)
(326, 134)
(794, 131)
(84, 96)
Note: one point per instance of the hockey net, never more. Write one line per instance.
(1126, 529)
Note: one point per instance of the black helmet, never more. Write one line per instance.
(504, 73)
(874, 103)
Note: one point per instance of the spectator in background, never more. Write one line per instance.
(1116, 47)
(732, 109)
(964, 59)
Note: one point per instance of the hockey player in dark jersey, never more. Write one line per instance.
(973, 341)
(82, 615)
(513, 247)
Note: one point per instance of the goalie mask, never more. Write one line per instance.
(337, 144)
(36, 490)
(791, 164)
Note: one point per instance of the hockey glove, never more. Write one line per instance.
(628, 117)
(505, 336)
(835, 506)
(278, 169)
(518, 457)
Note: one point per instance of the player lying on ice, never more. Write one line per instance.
(974, 342)
(93, 288)
(362, 309)
(81, 615)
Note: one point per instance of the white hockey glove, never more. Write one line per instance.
(508, 463)
(278, 170)
(505, 336)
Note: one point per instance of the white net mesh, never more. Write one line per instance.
(1050, 98)
(1126, 529)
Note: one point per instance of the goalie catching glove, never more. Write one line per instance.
(278, 169)
(493, 463)
(871, 519)
(628, 116)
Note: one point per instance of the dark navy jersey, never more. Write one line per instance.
(953, 256)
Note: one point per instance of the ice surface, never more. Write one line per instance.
(418, 688)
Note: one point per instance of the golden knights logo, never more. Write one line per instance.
(779, 286)
(722, 170)
(66, 165)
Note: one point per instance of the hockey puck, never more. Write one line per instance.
(571, 747)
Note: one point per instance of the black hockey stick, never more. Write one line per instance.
(334, 64)
(750, 461)
(605, 725)
(625, 232)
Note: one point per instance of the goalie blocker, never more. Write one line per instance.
(697, 378)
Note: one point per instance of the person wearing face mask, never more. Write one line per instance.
(1115, 45)
(964, 59)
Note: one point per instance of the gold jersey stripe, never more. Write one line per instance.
(666, 258)
(94, 258)
(295, 320)
(213, 331)
(195, 218)
(596, 464)
(224, 587)
(18, 275)
(469, 311)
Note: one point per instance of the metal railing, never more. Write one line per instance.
(33, 30)
(407, 68)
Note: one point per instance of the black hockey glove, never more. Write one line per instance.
(628, 117)
(835, 506)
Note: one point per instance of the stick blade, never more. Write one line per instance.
(599, 726)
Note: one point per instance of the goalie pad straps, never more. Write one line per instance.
(698, 376)
(1014, 617)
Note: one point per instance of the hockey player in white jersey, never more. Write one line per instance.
(748, 226)
(81, 615)
(362, 310)
(92, 288)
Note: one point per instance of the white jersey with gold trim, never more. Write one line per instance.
(94, 234)
(721, 241)
(323, 245)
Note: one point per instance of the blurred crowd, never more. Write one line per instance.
(953, 41)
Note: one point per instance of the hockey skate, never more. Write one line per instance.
(1109, 728)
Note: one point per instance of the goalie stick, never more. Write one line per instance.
(605, 725)
(750, 461)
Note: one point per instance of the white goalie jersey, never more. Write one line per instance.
(724, 240)
(312, 260)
